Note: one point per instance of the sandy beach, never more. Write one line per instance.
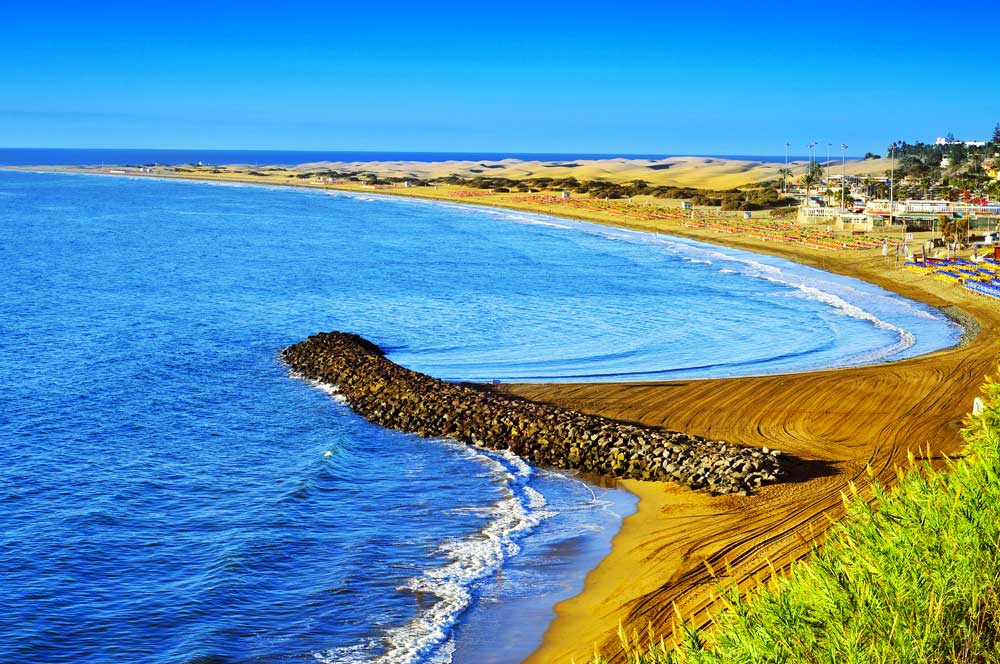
(840, 422)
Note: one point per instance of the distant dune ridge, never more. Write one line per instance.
(699, 172)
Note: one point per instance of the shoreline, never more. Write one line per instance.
(849, 418)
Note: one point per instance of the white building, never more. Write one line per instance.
(968, 144)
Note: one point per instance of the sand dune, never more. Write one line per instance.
(700, 172)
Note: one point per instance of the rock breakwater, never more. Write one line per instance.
(397, 398)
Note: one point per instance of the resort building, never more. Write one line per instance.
(917, 214)
(968, 144)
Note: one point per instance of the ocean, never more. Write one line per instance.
(171, 494)
(137, 157)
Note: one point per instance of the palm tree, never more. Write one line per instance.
(809, 179)
(947, 227)
(812, 176)
(926, 170)
(784, 173)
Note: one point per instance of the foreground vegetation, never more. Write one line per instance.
(916, 579)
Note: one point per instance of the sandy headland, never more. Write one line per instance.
(855, 424)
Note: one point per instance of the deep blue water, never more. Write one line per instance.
(168, 493)
(135, 157)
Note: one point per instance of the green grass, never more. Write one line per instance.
(916, 579)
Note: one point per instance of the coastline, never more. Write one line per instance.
(658, 557)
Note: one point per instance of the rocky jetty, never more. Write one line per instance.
(398, 398)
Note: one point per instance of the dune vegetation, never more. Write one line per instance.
(911, 575)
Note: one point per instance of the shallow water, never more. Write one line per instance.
(170, 494)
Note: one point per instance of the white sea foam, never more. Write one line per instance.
(532, 221)
(471, 560)
(327, 388)
(841, 306)
(807, 290)
(354, 654)
(905, 339)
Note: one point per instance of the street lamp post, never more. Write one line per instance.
(892, 175)
(843, 175)
(827, 162)
(785, 176)
(812, 158)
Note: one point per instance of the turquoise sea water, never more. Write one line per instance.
(168, 493)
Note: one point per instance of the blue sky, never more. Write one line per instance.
(703, 77)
